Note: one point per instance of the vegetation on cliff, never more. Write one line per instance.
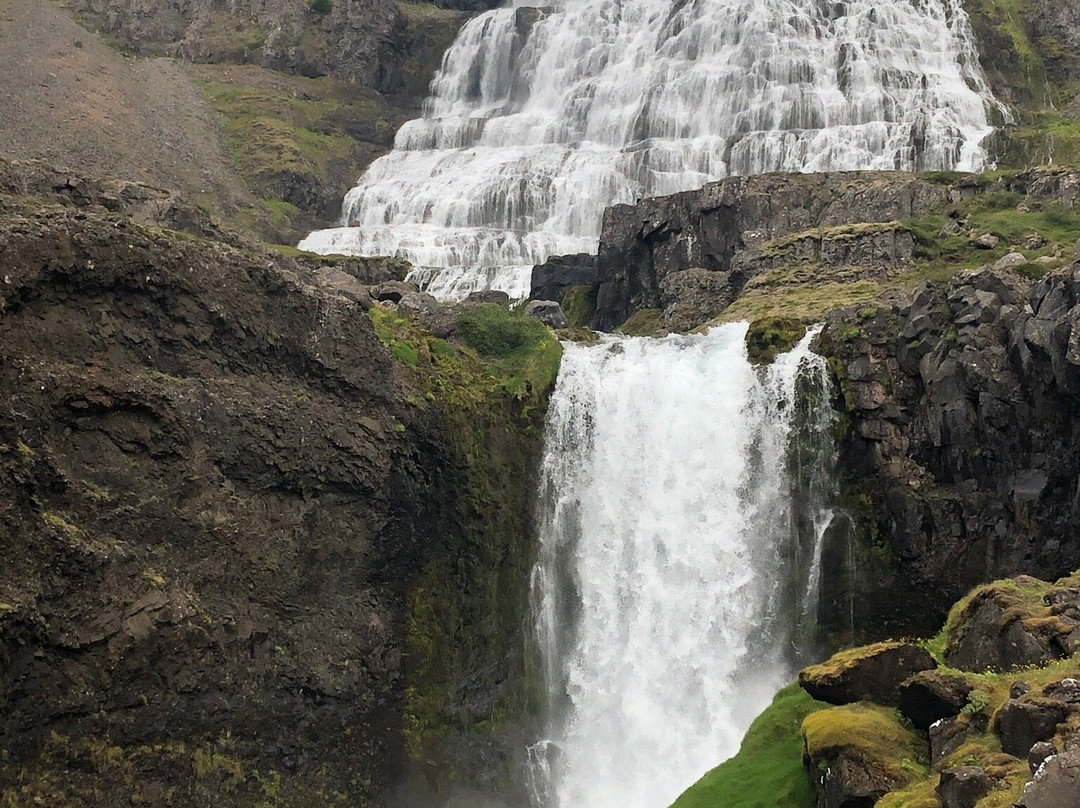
(258, 542)
(800, 752)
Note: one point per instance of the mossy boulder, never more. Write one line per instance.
(1015, 623)
(771, 336)
(931, 695)
(872, 673)
(862, 752)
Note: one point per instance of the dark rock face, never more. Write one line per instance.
(715, 233)
(847, 783)
(963, 786)
(993, 640)
(929, 696)
(874, 675)
(217, 493)
(959, 457)
(1022, 724)
(560, 272)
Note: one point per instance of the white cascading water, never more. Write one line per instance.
(684, 495)
(542, 117)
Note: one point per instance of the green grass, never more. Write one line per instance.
(523, 349)
(767, 772)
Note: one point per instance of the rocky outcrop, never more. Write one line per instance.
(930, 696)
(559, 273)
(960, 407)
(963, 786)
(731, 230)
(230, 501)
(352, 40)
(1057, 783)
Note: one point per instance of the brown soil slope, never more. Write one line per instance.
(71, 100)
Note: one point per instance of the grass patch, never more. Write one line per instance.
(767, 772)
(524, 350)
(768, 297)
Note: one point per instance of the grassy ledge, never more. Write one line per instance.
(767, 772)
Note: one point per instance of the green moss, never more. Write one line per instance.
(579, 305)
(524, 351)
(767, 772)
(844, 660)
(642, 323)
(873, 734)
(920, 794)
(768, 337)
(464, 607)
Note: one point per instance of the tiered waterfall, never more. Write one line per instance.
(541, 117)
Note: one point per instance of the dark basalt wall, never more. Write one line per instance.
(219, 496)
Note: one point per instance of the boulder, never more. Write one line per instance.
(1066, 691)
(1013, 259)
(929, 696)
(488, 296)
(1038, 753)
(560, 272)
(850, 783)
(419, 304)
(873, 673)
(548, 312)
(1022, 724)
(1056, 784)
(963, 786)
(344, 284)
(949, 734)
(986, 241)
(392, 291)
(992, 634)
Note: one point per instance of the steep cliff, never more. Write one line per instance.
(227, 497)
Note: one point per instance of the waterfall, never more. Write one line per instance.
(676, 572)
(541, 117)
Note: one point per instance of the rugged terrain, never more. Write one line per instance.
(259, 546)
(986, 714)
(263, 113)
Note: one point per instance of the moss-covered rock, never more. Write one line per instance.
(771, 336)
(1013, 624)
(871, 673)
(579, 305)
(862, 752)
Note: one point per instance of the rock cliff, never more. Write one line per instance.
(228, 497)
